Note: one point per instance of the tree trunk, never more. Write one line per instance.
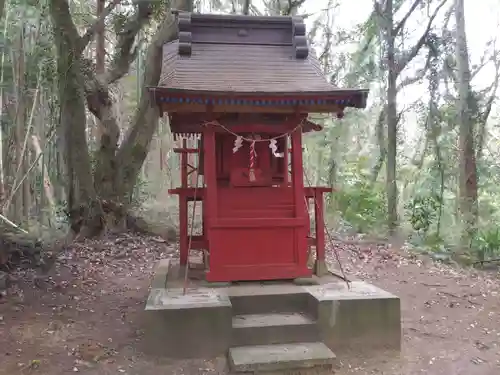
(135, 146)
(392, 123)
(109, 191)
(84, 209)
(467, 173)
(18, 210)
(395, 65)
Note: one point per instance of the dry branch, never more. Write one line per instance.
(409, 55)
(125, 53)
(13, 225)
(401, 24)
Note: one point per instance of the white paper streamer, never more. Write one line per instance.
(238, 142)
(274, 149)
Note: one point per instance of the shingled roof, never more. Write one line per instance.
(246, 55)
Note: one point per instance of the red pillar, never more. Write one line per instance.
(183, 214)
(298, 193)
(210, 174)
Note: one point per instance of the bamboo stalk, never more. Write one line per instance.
(25, 144)
(32, 166)
(2, 78)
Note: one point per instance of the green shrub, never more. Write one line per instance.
(362, 205)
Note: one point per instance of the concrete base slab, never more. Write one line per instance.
(207, 321)
(160, 274)
(362, 316)
(268, 358)
(197, 324)
(341, 290)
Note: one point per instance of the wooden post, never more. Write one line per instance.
(183, 209)
(300, 233)
(285, 162)
(210, 174)
(297, 173)
(320, 268)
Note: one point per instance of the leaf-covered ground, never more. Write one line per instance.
(85, 316)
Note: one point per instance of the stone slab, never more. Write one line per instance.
(341, 291)
(194, 298)
(268, 320)
(362, 317)
(273, 328)
(194, 325)
(266, 358)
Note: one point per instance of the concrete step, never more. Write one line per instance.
(273, 328)
(269, 299)
(282, 357)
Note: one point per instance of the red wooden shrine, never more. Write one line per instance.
(238, 91)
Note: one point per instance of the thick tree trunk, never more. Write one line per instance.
(392, 123)
(134, 148)
(381, 143)
(84, 208)
(468, 173)
(395, 65)
(17, 208)
(109, 191)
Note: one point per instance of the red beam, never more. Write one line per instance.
(180, 150)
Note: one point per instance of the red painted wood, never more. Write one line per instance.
(183, 216)
(255, 252)
(248, 273)
(180, 150)
(197, 127)
(309, 191)
(198, 243)
(254, 230)
(209, 149)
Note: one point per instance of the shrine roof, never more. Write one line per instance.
(246, 55)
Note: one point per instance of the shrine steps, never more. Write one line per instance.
(269, 299)
(276, 333)
(210, 320)
(299, 358)
(274, 328)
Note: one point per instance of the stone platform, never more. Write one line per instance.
(264, 327)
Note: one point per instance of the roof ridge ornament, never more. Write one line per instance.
(299, 38)
(185, 34)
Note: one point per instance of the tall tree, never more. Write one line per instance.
(465, 105)
(395, 63)
(99, 199)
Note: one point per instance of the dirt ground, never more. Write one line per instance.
(85, 316)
